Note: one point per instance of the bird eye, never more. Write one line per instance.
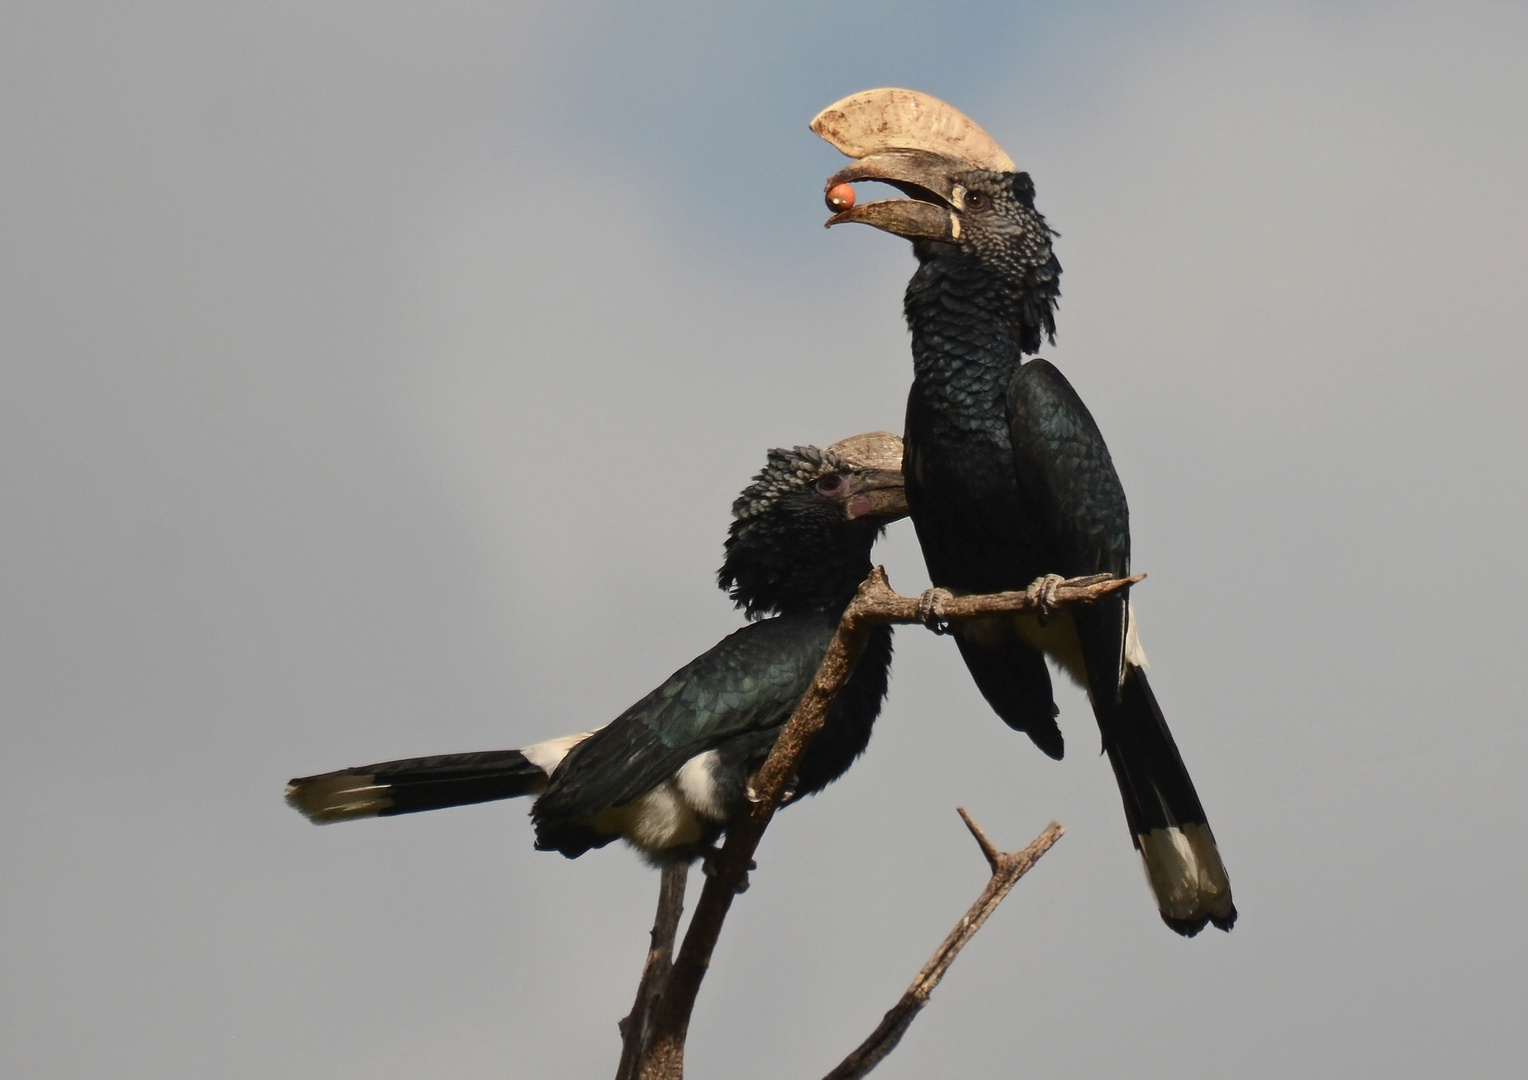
(975, 200)
(831, 485)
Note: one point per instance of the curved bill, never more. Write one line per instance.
(927, 181)
(889, 118)
(877, 487)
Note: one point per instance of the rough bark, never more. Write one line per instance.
(637, 1027)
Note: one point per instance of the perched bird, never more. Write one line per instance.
(671, 771)
(1008, 477)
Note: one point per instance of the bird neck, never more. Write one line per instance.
(972, 324)
(964, 345)
(798, 575)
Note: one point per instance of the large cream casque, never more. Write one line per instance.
(872, 450)
(891, 119)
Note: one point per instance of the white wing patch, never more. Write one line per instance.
(673, 814)
(546, 756)
(697, 783)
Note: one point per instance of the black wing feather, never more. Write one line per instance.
(1063, 464)
(749, 681)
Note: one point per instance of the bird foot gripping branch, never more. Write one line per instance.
(931, 609)
(1042, 593)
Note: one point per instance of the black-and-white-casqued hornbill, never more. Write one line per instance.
(1008, 477)
(670, 772)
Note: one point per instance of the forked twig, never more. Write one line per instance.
(1007, 868)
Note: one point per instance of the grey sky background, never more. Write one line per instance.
(375, 380)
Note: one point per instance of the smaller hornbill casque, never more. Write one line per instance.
(1008, 477)
(670, 772)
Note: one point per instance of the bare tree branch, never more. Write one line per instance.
(1007, 868)
(874, 604)
(637, 1028)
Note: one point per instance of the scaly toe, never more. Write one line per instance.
(931, 609)
(1042, 593)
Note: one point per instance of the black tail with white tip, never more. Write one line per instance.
(412, 785)
(1167, 822)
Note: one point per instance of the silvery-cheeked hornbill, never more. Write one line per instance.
(1008, 477)
(671, 771)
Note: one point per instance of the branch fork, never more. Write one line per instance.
(1007, 868)
(654, 1034)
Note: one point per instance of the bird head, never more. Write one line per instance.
(965, 198)
(802, 532)
(986, 214)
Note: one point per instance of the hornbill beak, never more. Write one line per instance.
(916, 143)
(876, 487)
(878, 493)
(933, 197)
